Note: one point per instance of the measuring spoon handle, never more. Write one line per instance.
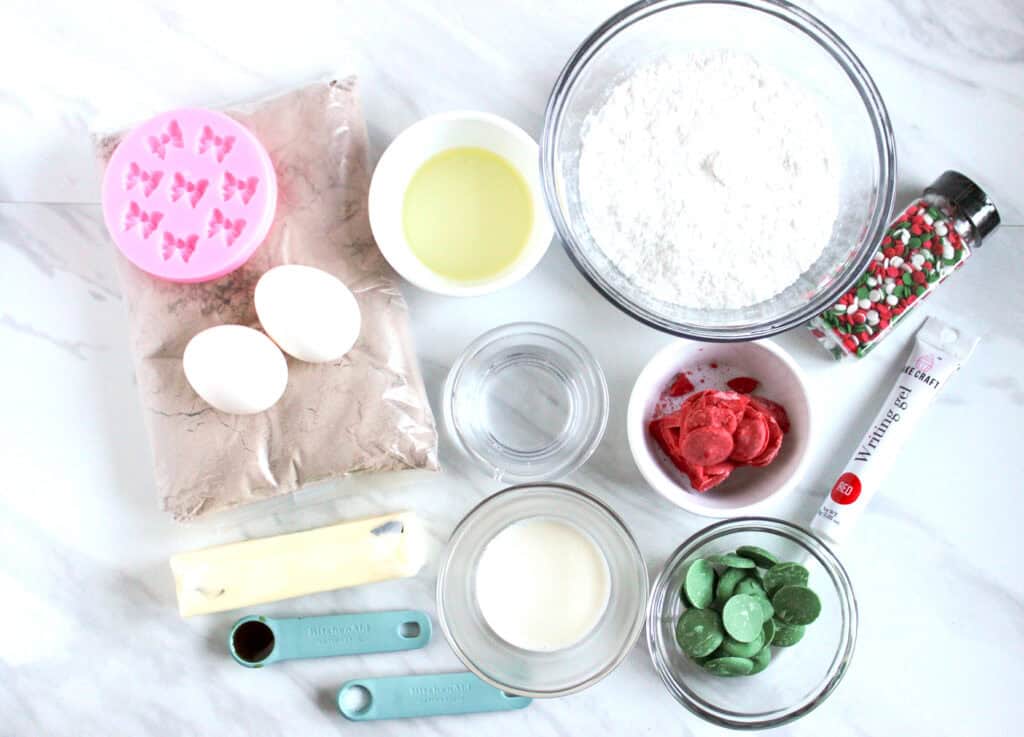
(354, 634)
(400, 697)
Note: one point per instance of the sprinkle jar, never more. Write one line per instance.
(928, 240)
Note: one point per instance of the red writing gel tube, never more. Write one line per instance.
(939, 352)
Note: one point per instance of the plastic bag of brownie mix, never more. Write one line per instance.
(367, 412)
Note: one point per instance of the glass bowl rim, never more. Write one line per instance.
(855, 71)
(840, 580)
(639, 618)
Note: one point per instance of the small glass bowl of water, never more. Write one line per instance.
(527, 402)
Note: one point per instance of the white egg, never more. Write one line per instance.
(311, 314)
(236, 369)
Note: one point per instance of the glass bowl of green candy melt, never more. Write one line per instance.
(752, 623)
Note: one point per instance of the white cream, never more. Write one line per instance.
(542, 584)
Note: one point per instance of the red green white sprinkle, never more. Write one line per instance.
(920, 249)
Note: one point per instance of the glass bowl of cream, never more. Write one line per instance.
(685, 177)
(541, 590)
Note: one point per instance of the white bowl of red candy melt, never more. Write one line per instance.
(720, 429)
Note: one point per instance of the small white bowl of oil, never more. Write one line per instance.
(456, 204)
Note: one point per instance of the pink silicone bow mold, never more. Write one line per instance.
(189, 195)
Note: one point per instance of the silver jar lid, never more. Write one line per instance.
(970, 200)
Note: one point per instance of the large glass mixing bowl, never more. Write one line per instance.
(775, 33)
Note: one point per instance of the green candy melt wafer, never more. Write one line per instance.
(761, 661)
(750, 586)
(737, 614)
(760, 556)
(796, 605)
(699, 584)
(732, 561)
(730, 666)
(787, 634)
(768, 632)
(742, 617)
(785, 574)
(727, 585)
(699, 632)
(739, 649)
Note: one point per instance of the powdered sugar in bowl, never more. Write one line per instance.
(718, 170)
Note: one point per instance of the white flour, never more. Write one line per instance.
(709, 180)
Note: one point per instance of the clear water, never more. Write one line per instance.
(528, 404)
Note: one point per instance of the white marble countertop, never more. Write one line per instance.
(90, 641)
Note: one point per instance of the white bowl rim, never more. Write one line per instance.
(540, 238)
(650, 468)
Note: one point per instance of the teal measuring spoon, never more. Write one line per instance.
(258, 641)
(398, 697)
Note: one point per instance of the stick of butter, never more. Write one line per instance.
(281, 567)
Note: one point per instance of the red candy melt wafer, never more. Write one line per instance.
(706, 446)
(711, 416)
(681, 386)
(774, 444)
(773, 410)
(713, 432)
(751, 439)
(743, 384)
